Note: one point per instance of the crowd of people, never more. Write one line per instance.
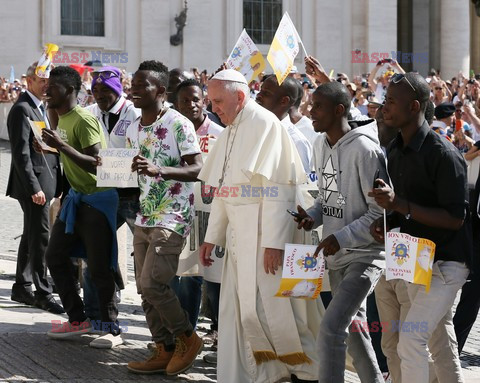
(387, 140)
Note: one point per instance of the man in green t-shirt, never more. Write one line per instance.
(88, 215)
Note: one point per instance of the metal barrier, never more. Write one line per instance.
(4, 110)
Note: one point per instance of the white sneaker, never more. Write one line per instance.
(107, 341)
(66, 329)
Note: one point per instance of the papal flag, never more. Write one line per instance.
(246, 58)
(284, 48)
(409, 258)
(12, 75)
(44, 65)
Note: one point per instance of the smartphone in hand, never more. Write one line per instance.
(293, 213)
(375, 177)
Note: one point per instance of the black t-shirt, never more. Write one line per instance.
(431, 172)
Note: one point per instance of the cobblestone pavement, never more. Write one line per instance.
(27, 355)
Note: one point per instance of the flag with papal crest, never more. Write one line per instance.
(284, 48)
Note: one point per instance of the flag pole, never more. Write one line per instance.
(385, 225)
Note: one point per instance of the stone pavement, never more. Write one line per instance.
(27, 355)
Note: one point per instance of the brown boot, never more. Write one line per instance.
(186, 350)
(156, 364)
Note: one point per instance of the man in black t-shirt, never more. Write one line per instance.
(430, 201)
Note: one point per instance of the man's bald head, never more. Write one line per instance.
(175, 77)
(278, 99)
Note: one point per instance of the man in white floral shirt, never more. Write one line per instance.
(168, 163)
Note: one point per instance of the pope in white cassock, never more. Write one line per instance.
(256, 167)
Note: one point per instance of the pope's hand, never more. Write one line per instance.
(272, 259)
(206, 254)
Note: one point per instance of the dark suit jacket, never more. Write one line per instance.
(28, 171)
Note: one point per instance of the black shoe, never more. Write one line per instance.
(24, 296)
(49, 304)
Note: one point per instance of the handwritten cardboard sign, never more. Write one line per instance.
(115, 170)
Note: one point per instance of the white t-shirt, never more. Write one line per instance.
(128, 114)
(165, 203)
(304, 147)
(305, 126)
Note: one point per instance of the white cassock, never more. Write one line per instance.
(262, 338)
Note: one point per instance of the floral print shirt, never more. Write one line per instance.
(165, 203)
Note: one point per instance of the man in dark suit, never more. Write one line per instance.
(34, 180)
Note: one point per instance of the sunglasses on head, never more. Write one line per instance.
(397, 77)
(104, 75)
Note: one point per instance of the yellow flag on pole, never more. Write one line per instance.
(284, 48)
(246, 58)
(44, 64)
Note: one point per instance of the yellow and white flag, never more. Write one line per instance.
(246, 58)
(409, 258)
(302, 272)
(284, 48)
(44, 65)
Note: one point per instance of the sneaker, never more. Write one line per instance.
(156, 364)
(67, 329)
(186, 350)
(107, 341)
(210, 358)
(210, 337)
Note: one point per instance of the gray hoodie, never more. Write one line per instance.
(345, 176)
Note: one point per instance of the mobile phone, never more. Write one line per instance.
(375, 182)
(294, 213)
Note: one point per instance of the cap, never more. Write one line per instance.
(444, 110)
(230, 75)
(108, 76)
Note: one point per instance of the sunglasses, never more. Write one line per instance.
(438, 88)
(104, 75)
(397, 77)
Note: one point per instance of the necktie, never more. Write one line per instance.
(42, 109)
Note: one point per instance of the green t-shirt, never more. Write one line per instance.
(80, 129)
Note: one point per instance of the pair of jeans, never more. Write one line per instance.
(127, 212)
(157, 251)
(189, 293)
(434, 309)
(350, 287)
(393, 304)
(91, 228)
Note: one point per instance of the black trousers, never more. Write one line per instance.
(31, 263)
(469, 304)
(91, 228)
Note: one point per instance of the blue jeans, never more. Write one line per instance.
(350, 287)
(127, 211)
(189, 293)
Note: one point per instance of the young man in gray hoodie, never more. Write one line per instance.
(346, 160)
